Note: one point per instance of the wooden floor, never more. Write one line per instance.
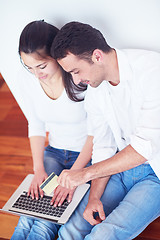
(16, 162)
(15, 155)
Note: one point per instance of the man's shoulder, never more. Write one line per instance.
(138, 51)
(139, 61)
(140, 54)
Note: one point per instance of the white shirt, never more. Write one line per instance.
(128, 113)
(64, 119)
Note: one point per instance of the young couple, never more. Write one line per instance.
(122, 103)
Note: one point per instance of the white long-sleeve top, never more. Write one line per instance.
(128, 113)
(64, 119)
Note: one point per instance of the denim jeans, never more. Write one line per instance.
(55, 160)
(131, 201)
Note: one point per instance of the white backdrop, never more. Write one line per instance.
(124, 23)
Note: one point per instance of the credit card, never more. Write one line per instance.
(49, 184)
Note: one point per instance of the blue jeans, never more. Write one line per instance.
(131, 201)
(55, 160)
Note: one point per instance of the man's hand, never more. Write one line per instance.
(94, 206)
(60, 194)
(72, 178)
(34, 189)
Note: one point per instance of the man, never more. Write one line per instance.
(123, 106)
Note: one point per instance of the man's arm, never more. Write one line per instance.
(94, 204)
(124, 160)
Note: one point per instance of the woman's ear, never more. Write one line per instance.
(97, 56)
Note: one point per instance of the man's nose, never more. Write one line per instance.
(76, 80)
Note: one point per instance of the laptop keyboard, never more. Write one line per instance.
(42, 205)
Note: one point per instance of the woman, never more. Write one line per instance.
(55, 103)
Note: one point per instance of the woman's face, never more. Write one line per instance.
(43, 68)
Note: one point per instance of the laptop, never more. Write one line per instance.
(20, 204)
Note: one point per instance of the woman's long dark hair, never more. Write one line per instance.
(39, 35)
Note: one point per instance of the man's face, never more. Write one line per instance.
(82, 71)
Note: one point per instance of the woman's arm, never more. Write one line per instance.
(37, 144)
(85, 155)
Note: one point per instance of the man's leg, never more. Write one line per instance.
(77, 227)
(140, 206)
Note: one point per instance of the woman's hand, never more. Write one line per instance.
(60, 194)
(34, 189)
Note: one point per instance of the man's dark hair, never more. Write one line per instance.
(79, 39)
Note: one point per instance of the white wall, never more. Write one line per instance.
(124, 23)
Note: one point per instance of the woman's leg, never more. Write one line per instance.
(29, 228)
(54, 160)
(33, 229)
(23, 228)
(43, 230)
(58, 159)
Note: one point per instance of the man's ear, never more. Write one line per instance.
(97, 56)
